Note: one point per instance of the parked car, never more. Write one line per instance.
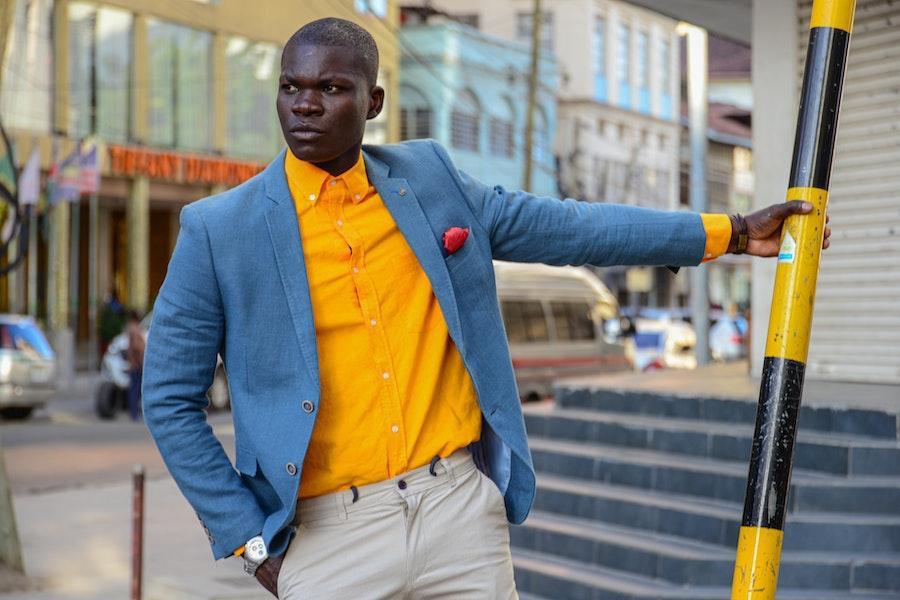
(27, 367)
(663, 341)
(554, 324)
(727, 337)
(111, 396)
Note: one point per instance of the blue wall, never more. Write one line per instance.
(461, 59)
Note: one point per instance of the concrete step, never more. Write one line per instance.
(709, 520)
(835, 453)
(687, 562)
(564, 579)
(870, 423)
(712, 478)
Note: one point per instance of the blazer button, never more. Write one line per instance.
(291, 468)
(402, 191)
(308, 406)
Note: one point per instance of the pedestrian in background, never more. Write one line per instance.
(136, 346)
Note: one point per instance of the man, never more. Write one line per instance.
(136, 348)
(380, 445)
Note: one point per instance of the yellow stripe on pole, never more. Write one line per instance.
(832, 13)
(795, 278)
(756, 567)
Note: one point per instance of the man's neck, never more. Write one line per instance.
(342, 163)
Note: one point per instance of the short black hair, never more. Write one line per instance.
(332, 31)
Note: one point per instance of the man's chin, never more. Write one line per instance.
(310, 153)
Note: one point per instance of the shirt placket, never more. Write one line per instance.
(389, 392)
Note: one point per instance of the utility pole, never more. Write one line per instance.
(532, 93)
(697, 74)
(787, 343)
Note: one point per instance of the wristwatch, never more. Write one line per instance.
(255, 554)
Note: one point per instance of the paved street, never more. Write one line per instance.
(70, 474)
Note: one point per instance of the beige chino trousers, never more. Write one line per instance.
(417, 536)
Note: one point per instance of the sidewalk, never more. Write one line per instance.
(76, 545)
(730, 380)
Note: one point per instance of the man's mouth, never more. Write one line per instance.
(305, 132)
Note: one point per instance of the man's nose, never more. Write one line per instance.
(306, 103)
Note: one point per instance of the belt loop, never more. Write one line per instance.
(448, 468)
(342, 505)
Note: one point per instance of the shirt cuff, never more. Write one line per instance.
(718, 235)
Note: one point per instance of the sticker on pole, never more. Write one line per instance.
(788, 249)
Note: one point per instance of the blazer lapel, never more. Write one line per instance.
(284, 231)
(403, 205)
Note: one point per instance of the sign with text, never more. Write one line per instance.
(179, 168)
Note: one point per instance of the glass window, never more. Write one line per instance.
(599, 58)
(415, 114)
(376, 7)
(541, 152)
(623, 64)
(643, 64)
(27, 90)
(25, 337)
(523, 29)
(464, 123)
(573, 320)
(251, 85)
(665, 78)
(180, 86)
(99, 71)
(415, 123)
(501, 137)
(524, 321)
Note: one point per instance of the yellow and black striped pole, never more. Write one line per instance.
(787, 342)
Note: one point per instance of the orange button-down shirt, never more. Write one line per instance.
(394, 389)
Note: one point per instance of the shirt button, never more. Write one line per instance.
(357, 197)
(401, 484)
(332, 182)
(394, 428)
(386, 375)
(373, 322)
(308, 406)
(291, 468)
(312, 197)
(356, 269)
(340, 223)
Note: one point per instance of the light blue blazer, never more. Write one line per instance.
(237, 286)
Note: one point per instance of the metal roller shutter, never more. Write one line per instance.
(856, 327)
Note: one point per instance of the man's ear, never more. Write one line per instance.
(376, 102)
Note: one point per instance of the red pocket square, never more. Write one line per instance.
(454, 238)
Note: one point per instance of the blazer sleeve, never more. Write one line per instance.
(185, 337)
(523, 227)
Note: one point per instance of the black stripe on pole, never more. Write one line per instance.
(773, 443)
(819, 104)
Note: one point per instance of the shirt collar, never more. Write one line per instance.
(308, 179)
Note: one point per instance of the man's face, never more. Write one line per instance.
(324, 101)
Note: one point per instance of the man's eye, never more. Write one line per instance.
(330, 88)
(289, 88)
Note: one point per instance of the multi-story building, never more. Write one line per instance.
(856, 322)
(729, 187)
(468, 90)
(618, 125)
(182, 95)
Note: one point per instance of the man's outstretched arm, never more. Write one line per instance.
(185, 337)
(526, 228)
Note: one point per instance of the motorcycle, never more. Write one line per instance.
(111, 396)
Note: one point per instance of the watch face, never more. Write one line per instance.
(256, 550)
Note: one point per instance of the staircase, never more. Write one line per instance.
(640, 497)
